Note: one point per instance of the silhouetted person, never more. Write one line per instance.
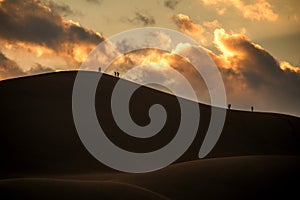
(252, 108)
(229, 106)
(118, 74)
(99, 69)
(115, 74)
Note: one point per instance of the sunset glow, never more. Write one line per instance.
(139, 99)
(253, 43)
(287, 66)
(155, 58)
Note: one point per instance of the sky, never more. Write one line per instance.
(255, 43)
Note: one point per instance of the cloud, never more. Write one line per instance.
(142, 18)
(40, 30)
(156, 65)
(60, 7)
(212, 24)
(94, 1)
(261, 10)
(171, 3)
(38, 68)
(294, 17)
(200, 32)
(254, 76)
(10, 69)
(187, 26)
(288, 67)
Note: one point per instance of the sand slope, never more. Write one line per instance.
(43, 188)
(248, 177)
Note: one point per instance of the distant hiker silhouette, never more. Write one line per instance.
(229, 106)
(99, 69)
(252, 108)
(117, 74)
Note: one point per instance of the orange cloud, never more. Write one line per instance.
(187, 26)
(158, 59)
(261, 10)
(158, 63)
(229, 47)
(201, 33)
(212, 24)
(288, 67)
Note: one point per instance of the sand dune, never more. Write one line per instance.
(247, 177)
(257, 154)
(34, 188)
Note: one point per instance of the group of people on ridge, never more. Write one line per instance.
(117, 74)
(252, 108)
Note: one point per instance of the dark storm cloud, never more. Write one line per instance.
(171, 3)
(142, 18)
(30, 22)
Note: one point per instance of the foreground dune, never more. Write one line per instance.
(248, 177)
(72, 189)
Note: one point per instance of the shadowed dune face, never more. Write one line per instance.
(75, 189)
(247, 177)
(38, 135)
(140, 104)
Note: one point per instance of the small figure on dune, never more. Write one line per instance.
(117, 74)
(229, 106)
(99, 69)
(252, 108)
